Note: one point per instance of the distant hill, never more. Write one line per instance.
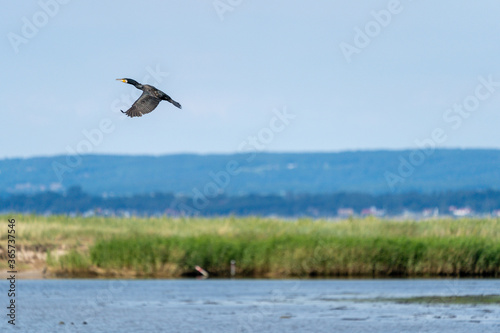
(373, 172)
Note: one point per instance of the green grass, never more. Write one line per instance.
(263, 247)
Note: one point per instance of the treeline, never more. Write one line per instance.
(77, 201)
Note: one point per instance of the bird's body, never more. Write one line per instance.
(149, 99)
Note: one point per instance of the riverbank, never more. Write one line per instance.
(172, 247)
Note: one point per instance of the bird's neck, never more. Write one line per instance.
(134, 83)
(138, 85)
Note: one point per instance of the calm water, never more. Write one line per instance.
(246, 306)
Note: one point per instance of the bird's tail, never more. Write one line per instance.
(176, 104)
(169, 99)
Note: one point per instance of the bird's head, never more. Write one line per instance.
(130, 81)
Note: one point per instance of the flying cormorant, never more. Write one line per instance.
(148, 100)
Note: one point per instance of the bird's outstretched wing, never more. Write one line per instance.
(145, 104)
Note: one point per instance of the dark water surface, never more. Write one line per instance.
(247, 306)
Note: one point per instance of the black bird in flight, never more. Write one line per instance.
(149, 99)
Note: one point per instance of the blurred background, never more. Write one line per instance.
(283, 99)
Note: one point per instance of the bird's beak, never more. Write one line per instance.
(123, 80)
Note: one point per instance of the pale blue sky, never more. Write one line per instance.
(231, 74)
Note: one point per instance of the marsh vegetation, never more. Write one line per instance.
(262, 247)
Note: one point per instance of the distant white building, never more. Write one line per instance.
(430, 212)
(373, 211)
(460, 212)
(345, 212)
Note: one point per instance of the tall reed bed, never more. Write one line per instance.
(300, 255)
